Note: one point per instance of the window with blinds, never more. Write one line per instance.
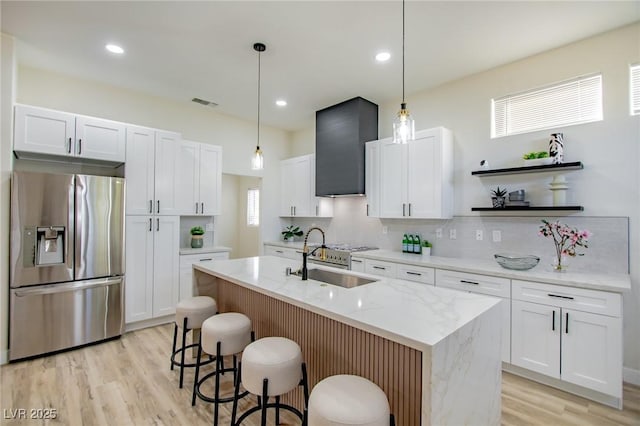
(570, 102)
(634, 72)
(253, 207)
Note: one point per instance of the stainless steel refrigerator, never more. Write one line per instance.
(67, 261)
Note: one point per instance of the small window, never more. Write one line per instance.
(634, 72)
(253, 207)
(570, 102)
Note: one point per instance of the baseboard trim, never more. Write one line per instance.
(630, 375)
(602, 398)
(149, 323)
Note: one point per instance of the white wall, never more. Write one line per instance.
(610, 149)
(248, 236)
(7, 93)
(227, 223)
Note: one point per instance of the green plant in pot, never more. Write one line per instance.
(196, 236)
(290, 232)
(498, 198)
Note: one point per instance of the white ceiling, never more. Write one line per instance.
(318, 52)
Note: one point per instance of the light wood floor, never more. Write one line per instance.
(128, 382)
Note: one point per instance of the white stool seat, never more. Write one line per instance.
(232, 330)
(348, 400)
(274, 358)
(196, 310)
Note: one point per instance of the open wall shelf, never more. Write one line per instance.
(525, 208)
(576, 165)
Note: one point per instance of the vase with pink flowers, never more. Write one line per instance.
(566, 240)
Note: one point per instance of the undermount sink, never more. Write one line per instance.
(336, 278)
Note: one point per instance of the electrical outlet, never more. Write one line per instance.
(479, 235)
(209, 227)
(385, 229)
(497, 235)
(439, 233)
(452, 234)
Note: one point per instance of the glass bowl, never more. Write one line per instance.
(519, 262)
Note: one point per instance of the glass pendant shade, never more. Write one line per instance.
(403, 126)
(257, 161)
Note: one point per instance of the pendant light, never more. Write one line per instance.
(403, 125)
(257, 161)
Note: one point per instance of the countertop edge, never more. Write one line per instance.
(204, 250)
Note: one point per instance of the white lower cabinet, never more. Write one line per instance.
(286, 252)
(483, 284)
(152, 244)
(357, 264)
(555, 334)
(381, 268)
(186, 270)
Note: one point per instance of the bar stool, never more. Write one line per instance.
(348, 400)
(190, 314)
(221, 335)
(271, 366)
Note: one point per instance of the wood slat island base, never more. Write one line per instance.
(451, 382)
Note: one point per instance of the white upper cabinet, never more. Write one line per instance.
(200, 178)
(413, 180)
(152, 161)
(297, 189)
(39, 131)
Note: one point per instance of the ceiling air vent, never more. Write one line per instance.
(204, 102)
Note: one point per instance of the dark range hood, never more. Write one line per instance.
(341, 132)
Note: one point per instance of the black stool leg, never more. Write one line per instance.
(217, 390)
(392, 420)
(195, 379)
(184, 342)
(175, 337)
(278, 410)
(265, 401)
(235, 395)
(305, 385)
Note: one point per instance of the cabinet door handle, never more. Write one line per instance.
(290, 210)
(469, 282)
(69, 147)
(201, 208)
(157, 224)
(294, 210)
(413, 273)
(409, 209)
(560, 297)
(279, 251)
(403, 209)
(566, 323)
(317, 209)
(158, 209)
(553, 321)
(380, 267)
(150, 206)
(79, 146)
(196, 208)
(356, 261)
(204, 260)
(367, 209)
(150, 224)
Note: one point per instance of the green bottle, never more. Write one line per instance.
(417, 245)
(405, 244)
(411, 245)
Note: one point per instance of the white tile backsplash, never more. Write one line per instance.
(188, 222)
(608, 247)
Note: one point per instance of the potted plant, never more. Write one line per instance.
(426, 248)
(538, 158)
(290, 232)
(196, 236)
(498, 198)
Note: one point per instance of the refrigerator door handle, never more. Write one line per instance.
(61, 288)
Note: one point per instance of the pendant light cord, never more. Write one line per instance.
(403, 51)
(258, 143)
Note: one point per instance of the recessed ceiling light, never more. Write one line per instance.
(281, 102)
(114, 48)
(383, 56)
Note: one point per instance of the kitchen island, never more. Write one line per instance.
(434, 352)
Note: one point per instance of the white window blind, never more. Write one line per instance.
(635, 89)
(253, 207)
(570, 102)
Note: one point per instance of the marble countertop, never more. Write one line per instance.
(607, 282)
(409, 313)
(203, 250)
